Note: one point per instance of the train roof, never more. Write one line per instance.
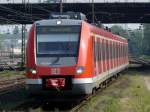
(56, 22)
(73, 22)
(107, 34)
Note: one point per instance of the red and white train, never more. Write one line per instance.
(72, 56)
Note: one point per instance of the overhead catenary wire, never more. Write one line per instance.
(20, 14)
(8, 20)
(41, 8)
(93, 11)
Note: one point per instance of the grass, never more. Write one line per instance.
(10, 73)
(139, 95)
(128, 94)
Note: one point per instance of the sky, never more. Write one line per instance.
(8, 28)
(5, 28)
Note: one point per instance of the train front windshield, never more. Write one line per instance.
(57, 45)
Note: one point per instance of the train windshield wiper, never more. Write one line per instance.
(55, 61)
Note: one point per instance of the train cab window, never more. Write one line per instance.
(57, 44)
(57, 41)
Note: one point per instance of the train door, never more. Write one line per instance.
(95, 55)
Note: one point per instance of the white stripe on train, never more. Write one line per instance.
(101, 76)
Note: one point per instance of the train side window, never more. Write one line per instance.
(120, 50)
(96, 48)
(106, 49)
(113, 50)
(123, 50)
(109, 50)
(96, 51)
(126, 50)
(100, 50)
(116, 50)
(103, 50)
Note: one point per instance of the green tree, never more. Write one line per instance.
(119, 31)
(146, 39)
(134, 37)
(52, 1)
(135, 41)
(1, 41)
(16, 30)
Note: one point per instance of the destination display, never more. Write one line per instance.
(57, 29)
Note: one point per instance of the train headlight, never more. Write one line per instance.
(58, 22)
(79, 70)
(33, 71)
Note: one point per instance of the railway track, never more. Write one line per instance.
(10, 83)
(49, 103)
(135, 60)
(95, 93)
(59, 103)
